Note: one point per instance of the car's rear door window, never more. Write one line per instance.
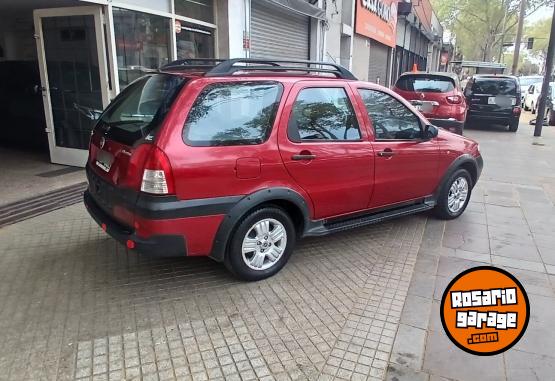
(426, 83)
(323, 113)
(493, 86)
(233, 113)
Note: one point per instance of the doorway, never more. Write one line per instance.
(74, 78)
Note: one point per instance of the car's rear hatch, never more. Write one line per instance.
(123, 139)
(433, 95)
(493, 95)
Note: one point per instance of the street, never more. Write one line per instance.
(362, 304)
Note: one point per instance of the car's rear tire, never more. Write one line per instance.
(533, 108)
(454, 196)
(261, 244)
(513, 126)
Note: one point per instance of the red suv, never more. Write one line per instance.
(238, 159)
(437, 95)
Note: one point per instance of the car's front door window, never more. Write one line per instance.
(391, 119)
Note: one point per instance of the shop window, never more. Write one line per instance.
(142, 43)
(202, 10)
(195, 42)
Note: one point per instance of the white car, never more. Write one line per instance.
(531, 97)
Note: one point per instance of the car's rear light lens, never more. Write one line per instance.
(516, 110)
(454, 99)
(157, 174)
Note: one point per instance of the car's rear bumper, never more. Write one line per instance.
(451, 125)
(160, 244)
(504, 119)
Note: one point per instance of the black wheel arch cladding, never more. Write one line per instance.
(250, 202)
(465, 161)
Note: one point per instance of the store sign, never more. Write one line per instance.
(377, 19)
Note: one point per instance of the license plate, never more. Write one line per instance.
(423, 106)
(501, 101)
(104, 160)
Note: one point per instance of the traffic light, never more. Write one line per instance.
(530, 43)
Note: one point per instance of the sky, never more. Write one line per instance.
(542, 13)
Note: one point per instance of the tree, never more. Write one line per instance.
(481, 27)
(540, 32)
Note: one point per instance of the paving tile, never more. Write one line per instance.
(528, 366)
(396, 372)
(515, 250)
(444, 359)
(416, 311)
(468, 255)
(408, 349)
(518, 264)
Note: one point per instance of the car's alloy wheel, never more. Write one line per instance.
(458, 193)
(261, 243)
(454, 195)
(264, 244)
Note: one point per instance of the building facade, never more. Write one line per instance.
(87, 51)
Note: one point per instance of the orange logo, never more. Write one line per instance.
(485, 310)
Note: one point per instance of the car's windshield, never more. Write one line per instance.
(494, 86)
(142, 104)
(426, 83)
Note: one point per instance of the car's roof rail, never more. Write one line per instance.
(193, 64)
(213, 67)
(229, 67)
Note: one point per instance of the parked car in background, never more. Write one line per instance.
(531, 95)
(549, 105)
(493, 99)
(437, 95)
(239, 160)
(525, 81)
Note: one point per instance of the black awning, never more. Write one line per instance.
(301, 6)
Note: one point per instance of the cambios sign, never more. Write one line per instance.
(377, 19)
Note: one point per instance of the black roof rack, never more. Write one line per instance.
(232, 66)
(218, 67)
(192, 64)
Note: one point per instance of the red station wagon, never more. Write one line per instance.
(437, 95)
(238, 159)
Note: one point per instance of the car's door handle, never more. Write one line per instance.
(304, 155)
(386, 153)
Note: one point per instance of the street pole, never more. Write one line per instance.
(540, 114)
(518, 36)
(503, 31)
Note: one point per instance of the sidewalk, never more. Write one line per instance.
(510, 223)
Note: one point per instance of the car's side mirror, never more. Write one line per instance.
(531, 91)
(430, 132)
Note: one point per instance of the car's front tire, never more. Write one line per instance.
(261, 244)
(454, 196)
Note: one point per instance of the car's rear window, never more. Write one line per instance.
(140, 107)
(494, 86)
(233, 113)
(426, 83)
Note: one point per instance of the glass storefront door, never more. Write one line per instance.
(73, 78)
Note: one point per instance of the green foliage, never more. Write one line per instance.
(481, 26)
(540, 31)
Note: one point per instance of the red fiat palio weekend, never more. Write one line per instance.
(238, 159)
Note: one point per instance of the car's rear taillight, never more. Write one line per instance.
(454, 99)
(157, 173)
(516, 110)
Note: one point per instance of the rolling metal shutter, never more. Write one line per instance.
(278, 33)
(379, 63)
